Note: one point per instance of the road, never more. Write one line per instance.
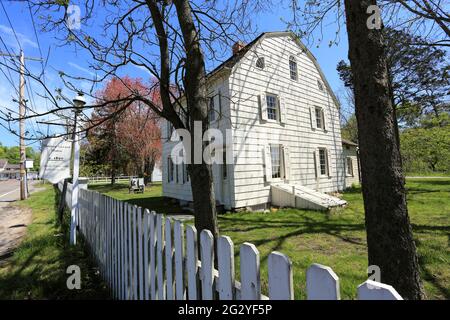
(13, 220)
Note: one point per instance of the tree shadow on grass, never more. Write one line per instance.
(305, 226)
(159, 205)
(37, 268)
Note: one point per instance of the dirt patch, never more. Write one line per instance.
(13, 227)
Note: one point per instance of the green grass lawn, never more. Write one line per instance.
(337, 240)
(37, 270)
(152, 197)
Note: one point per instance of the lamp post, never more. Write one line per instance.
(78, 103)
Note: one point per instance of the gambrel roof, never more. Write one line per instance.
(234, 59)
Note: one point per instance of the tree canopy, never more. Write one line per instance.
(419, 75)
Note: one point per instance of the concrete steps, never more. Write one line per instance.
(297, 196)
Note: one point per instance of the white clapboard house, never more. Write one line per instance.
(285, 133)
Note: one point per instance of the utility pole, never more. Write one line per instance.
(23, 156)
(78, 102)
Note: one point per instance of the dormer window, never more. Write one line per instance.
(260, 63)
(293, 68)
(320, 85)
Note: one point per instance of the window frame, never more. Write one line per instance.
(277, 107)
(349, 160)
(293, 68)
(322, 117)
(211, 110)
(320, 85)
(170, 170)
(280, 161)
(326, 164)
(263, 59)
(224, 165)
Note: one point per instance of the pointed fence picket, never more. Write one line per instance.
(144, 255)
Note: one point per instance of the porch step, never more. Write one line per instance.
(298, 196)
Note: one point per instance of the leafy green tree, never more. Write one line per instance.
(427, 148)
(349, 129)
(419, 75)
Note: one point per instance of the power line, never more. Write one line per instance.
(10, 24)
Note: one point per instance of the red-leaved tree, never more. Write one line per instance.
(126, 135)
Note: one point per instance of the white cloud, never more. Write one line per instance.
(11, 40)
(80, 68)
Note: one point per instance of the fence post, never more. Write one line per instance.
(135, 257)
(178, 235)
(140, 254)
(146, 260)
(281, 285)
(192, 262)
(322, 283)
(130, 253)
(207, 260)
(152, 255)
(372, 290)
(159, 254)
(169, 260)
(250, 273)
(225, 257)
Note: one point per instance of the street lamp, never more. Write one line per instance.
(78, 103)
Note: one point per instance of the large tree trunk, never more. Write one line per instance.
(196, 97)
(389, 235)
(194, 81)
(204, 199)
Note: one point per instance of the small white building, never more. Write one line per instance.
(285, 131)
(351, 160)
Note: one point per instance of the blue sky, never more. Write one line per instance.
(75, 63)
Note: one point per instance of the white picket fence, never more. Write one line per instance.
(143, 255)
(104, 179)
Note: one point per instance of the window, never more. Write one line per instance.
(224, 165)
(170, 169)
(260, 63)
(275, 155)
(293, 68)
(320, 85)
(323, 163)
(211, 111)
(169, 130)
(272, 107)
(319, 118)
(349, 166)
(220, 104)
(184, 172)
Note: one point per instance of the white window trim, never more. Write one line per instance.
(322, 114)
(346, 167)
(292, 58)
(327, 165)
(211, 97)
(277, 109)
(256, 63)
(280, 146)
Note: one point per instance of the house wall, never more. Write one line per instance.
(246, 184)
(350, 151)
(252, 134)
(222, 187)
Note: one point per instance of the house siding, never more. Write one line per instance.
(250, 134)
(350, 151)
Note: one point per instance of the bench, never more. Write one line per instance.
(136, 185)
